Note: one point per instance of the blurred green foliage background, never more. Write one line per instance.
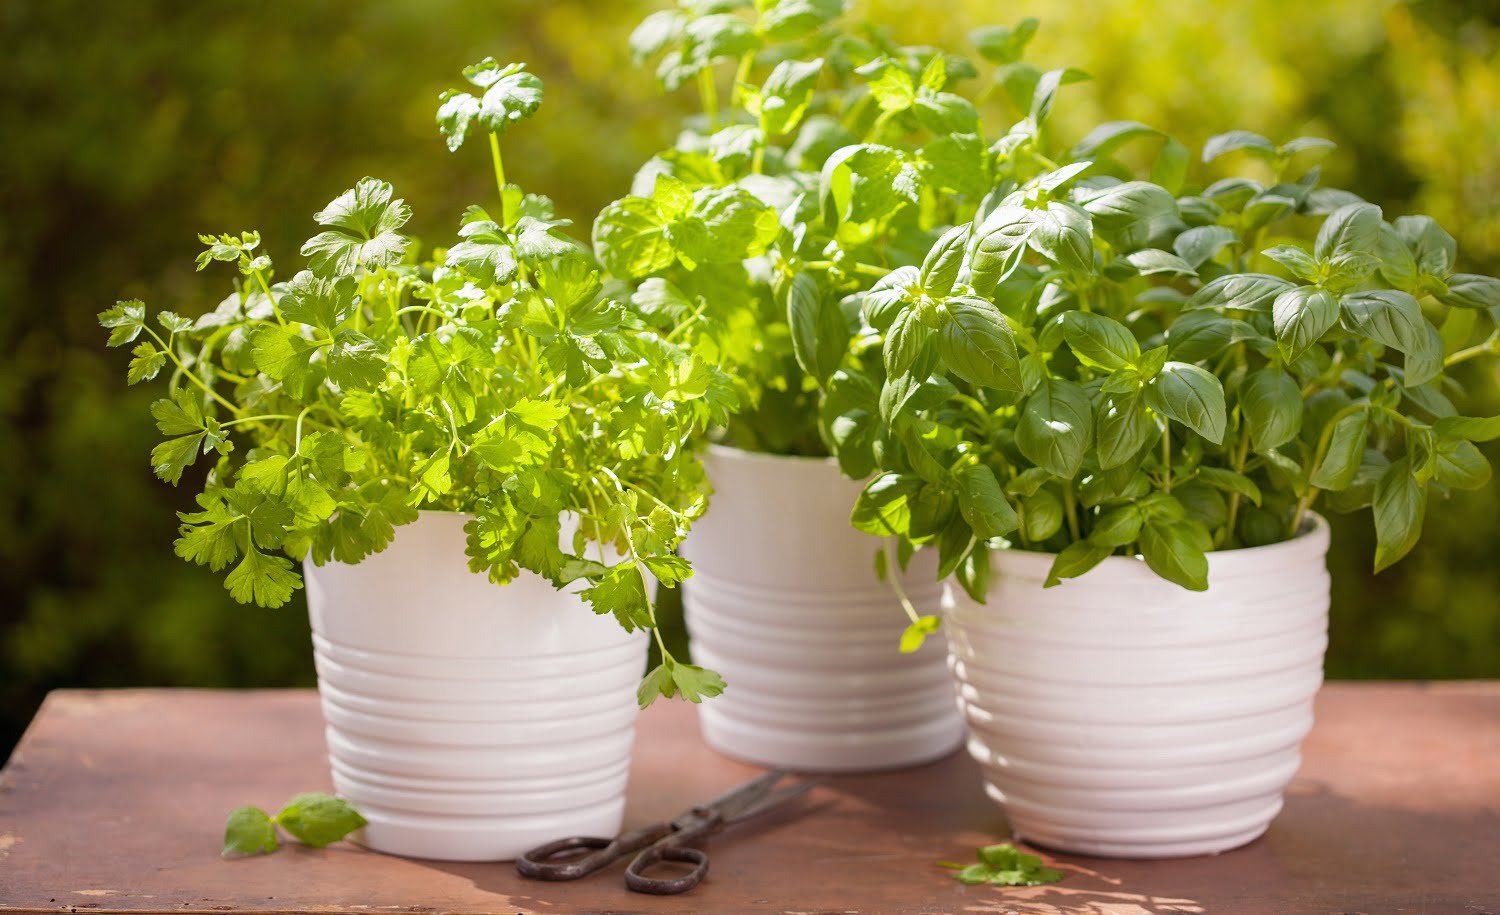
(130, 127)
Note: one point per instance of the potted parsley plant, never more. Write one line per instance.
(419, 429)
(1114, 407)
(835, 156)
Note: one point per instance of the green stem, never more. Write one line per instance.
(266, 288)
(1166, 455)
(192, 376)
(885, 116)
(297, 437)
(1070, 503)
(870, 270)
(1489, 347)
(1242, 453)
(742, 73)
(893, 569)
(709, 93)
(256, 419)
(500, 178)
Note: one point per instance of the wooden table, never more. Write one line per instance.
(114, 801)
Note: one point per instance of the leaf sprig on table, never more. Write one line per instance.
(315, 819)
(1004, 865)
(497, 377)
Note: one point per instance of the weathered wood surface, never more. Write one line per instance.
(113, 802)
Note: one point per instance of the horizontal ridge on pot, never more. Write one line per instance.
(1119, 714)
(785, 603)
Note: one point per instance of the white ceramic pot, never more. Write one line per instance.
(1121, 715)
(469, 721)
(785, 604)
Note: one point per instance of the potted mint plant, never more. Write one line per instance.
(836, 155)
(483, 464)
(1114, 407)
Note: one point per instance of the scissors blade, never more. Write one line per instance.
(776, 799)
(736, 799)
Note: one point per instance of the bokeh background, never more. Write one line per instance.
(127, 128)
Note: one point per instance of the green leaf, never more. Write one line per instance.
(783, 20)
(621, 592)
(1075, 559)
(1063, 233)
(941, 266)
(976, 344)
(1042, 514)
(455, 112)
(783, 99)
(1153, 261)
(672, 677)
(1100, 342)
(485, 254)
(125, 321)
(1246, 291)
(1461, 465)
(1123, 427)
(882, 507)
(1400, 504)
(1301, 316)
(1171, 165)
(510, 93)
(998, 245)
(147, 362)
(1388, 317)
(915, 635)
(630, 238)
(319, 819)
(286, 356)
(1243, 140)
(1346, 448)
(1468, 290)
(1298, 261)
(1201, 244)
(819, 332)
(1474, 429)
(1004, 45)
(1127, 211)
(1271, 402)
(1175, 550)
(1192, 396)
(1351, 229)
(249, 831)
(863, 185)
(1056, 427)
(318, 302)
(362, 232)
(1117, 527)
(262, 579)
(983, 502)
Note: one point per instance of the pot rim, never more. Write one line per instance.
(770, 457)
(1313, 537)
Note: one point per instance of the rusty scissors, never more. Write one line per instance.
(672, 840)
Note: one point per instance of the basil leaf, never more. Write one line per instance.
(983, 502)
(1400, 504)
(1346, 448)
(1056, 427)
(819, 333)
(1301, 316)
(319, 819)
(1100, 342)
(1192, 396)
(1271, 402)
(1124, 427)
(1075, 559)
(1176, 550)
(977, 345)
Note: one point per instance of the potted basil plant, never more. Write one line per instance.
(836, 155)
(1115, 408)
(483, 464)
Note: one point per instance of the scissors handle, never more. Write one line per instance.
(637, 881)
(538, 864)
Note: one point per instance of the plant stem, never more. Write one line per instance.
(893, 575)
(1488, 347)
(1071, 505)
(1240, 456)
(255, 419)
(709, 93)
(499, 178)
(260, 277)
(1166, 455)
(869, 270)
(172, 354)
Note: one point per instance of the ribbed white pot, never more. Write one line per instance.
(1120, 715)
(469, 721)
(785, 604)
